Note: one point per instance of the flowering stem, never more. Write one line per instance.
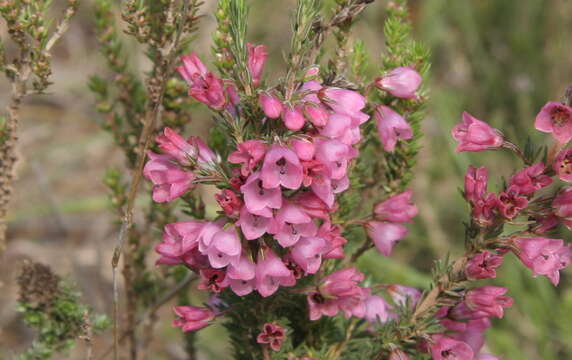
(515, 149)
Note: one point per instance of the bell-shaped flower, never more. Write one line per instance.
(257, 197)
(483, 265)
(342, 101)
(253, 226)
(317, 114)
(445, 348)
(401, 82)
(210, 91)
(169, 180)
(385, 235)
(307, 253)
(398, 208)
(225, 248)
(271, 105)
(281, 167)
(179, 238)
(191, 318)
(391, 127)
(555, 118)
(293, 118)
(192, 68)
(249, 154)
(544, 256)
(303, 148)
(257, 55)
(476, 182)
(241, 276)
(476, 135)
(292, 223)
(563, 165)
(530, 179)
(271, 273)
(488, 300)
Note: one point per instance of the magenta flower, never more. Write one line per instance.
(256, 59)
(173, 144)
(385, 235)
(475, 135)
(257, 198)
(224, 248)
(253, 226)
(483, 265)
(248, 154)
(229, 202)
(376, 310)
(307, 253)
(281, 167)
(191, 318)
(192, 68)
(272, 273)
(293, 118)
(445, 348)
(398, 208)
(562, 203)
(401, 82)
(391, 127)
(488, 301)
(272, 335)
(543, 256)
(555, 118)
(342, 101)
(563, 165)
(339, 291)
(476, 181)
(511, 202)
(271, 106)
(209, 90)
(169, 180)
(530, 179)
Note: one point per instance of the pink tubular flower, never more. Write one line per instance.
(476, 181)
(292, 223)
(563, 165)
(271, 106)
(259, 199)
(192, 68)
(249, 154)
(445, 348)
(305, 149)
(562, 203)
(555, 118)
(224, 249)
(376, 310)
(342, 101)
(179, 238)
(256, 59)
(544, 256)
(398, 208)
(169, 180)
(530, 179)
(173, 144)
(476, 135)
(511, 202)
(272, 335)
(391, 127)
(487, 301)
(334, 240)
(229, 202)
(483, 265)
(191, 318)
(241, 276)
(307, 253)
(401, 82)
(281, 167)
(317, 114)
(385, 235)
(253, 226)
(272, 273)
(339, 291)
(293, 118)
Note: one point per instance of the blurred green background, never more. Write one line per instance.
(500, 60)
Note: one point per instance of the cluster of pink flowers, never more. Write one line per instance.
(277, 193)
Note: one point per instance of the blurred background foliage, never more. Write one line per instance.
(499, 60)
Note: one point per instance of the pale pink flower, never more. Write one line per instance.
(304, 148)
(312, 205)
(271, 106)
(281, 167)
(385, 235)
(391, 127)
(192, 68)
(307, 253)
(169, 180)
(256, 59)
(544, 256)
(483, 265)
(401, 82)
(241, 276)
(488, 301)
(376, 310)
(445, 348)
(342, 101)
(225, 248)
(272, 335)
(334, 240)
(248, 154)
(317, 114)
(335, 155)
(253, 226)
(475, 135)
(563, 165)
(179, 238)
(397, 208)
(191, 318)
(292, 223)
(271, 273)
(555, 118)
(173, 144)
(530, 179)
(257, 198)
